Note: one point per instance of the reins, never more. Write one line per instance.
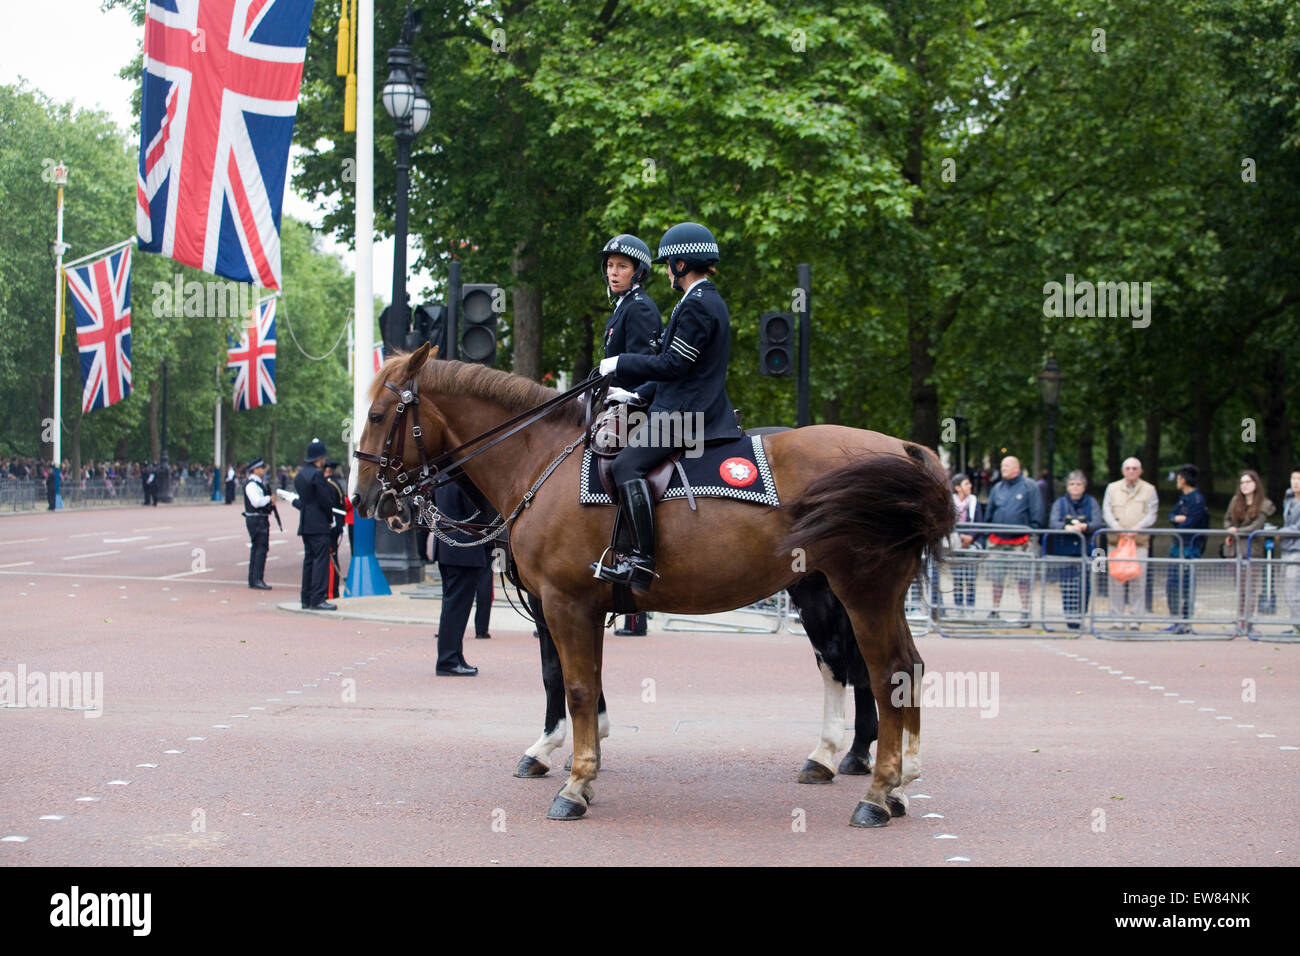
(438, 471)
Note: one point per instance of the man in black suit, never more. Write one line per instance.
(462, 570)
(315, 521)
(339, 511)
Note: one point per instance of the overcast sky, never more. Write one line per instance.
(71, 51)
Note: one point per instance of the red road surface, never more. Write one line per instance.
(1080, 766)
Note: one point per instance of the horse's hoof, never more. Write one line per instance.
(562, 808)
(897, 805)
(814, 772)
(531, 767)
(869, 815)
(854, 766)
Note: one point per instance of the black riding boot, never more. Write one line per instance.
(637, 569)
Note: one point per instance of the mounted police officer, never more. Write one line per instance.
(635, 326)
(258, 506)
(689, 373)
(316, 518)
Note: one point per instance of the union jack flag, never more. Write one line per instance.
(379, 357)
(221, 80)
(101, 303)
(253, 360)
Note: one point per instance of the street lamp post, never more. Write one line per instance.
(1049, 385)
(405, 101)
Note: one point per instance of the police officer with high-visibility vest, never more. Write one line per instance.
(258, 507)
(689, 373)
(634, 326)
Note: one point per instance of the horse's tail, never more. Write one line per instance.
(879, 513)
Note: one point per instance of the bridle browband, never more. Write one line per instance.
(438, 471)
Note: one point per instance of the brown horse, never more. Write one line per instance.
(861, 507)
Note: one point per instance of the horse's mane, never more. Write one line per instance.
(514, 393)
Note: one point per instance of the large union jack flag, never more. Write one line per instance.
(100, 293)
(253, 360)
(221, 81)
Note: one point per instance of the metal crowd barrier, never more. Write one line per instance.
(1271, 609)
(983, 589)
(30, 495)
(1180, 593)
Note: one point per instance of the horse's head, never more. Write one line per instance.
(399, 423)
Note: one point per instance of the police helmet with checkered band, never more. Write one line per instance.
(691, 242)
(628, 245)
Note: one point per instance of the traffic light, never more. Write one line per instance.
(430, 323)
(480, 304)
(775, 343)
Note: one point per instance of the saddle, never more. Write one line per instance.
(607, 441)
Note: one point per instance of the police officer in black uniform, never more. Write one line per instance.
(338, 506)
(634, 326)
(690, 376)
(462, 569)
(258, 505)
(315, 519)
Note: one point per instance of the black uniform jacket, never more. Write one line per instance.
(453, 503)
(691, 367)
(315, 499)
(635, 326)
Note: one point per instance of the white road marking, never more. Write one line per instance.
(182, 574)
(13, 839)
(119, 783)
(92, 554)
(957, 859)
(172, 544)
(149, 766)
(161, 527)
(173, 751)
(53, 816)
(89, 799)
(226, 537)
(17, 564)
(88, 534)
(138, 537)
(945, 836)
(24, 541)
(196, 738)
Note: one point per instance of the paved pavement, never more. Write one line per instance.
(233, 732)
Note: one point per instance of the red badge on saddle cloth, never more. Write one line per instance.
(738, 472)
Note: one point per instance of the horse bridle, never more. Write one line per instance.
(437, 472)
(408, 397)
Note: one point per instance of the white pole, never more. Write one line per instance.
(60, 177)
(352, 364)
(363, 300)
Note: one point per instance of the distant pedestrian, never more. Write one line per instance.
(1074, 511)
(1130, 504)
(1247, 512)
(968, 510)
(1013, 501)
(230, 484)
(1290, 547)
(258, 505)
(1191, 512)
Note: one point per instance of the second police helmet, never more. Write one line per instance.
(628, 245)
(690, 242)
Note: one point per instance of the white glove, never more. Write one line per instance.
(608, 365)
(621, 395)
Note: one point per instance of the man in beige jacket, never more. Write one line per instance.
(1130, 503)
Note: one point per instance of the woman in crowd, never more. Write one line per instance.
(1248, 510)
